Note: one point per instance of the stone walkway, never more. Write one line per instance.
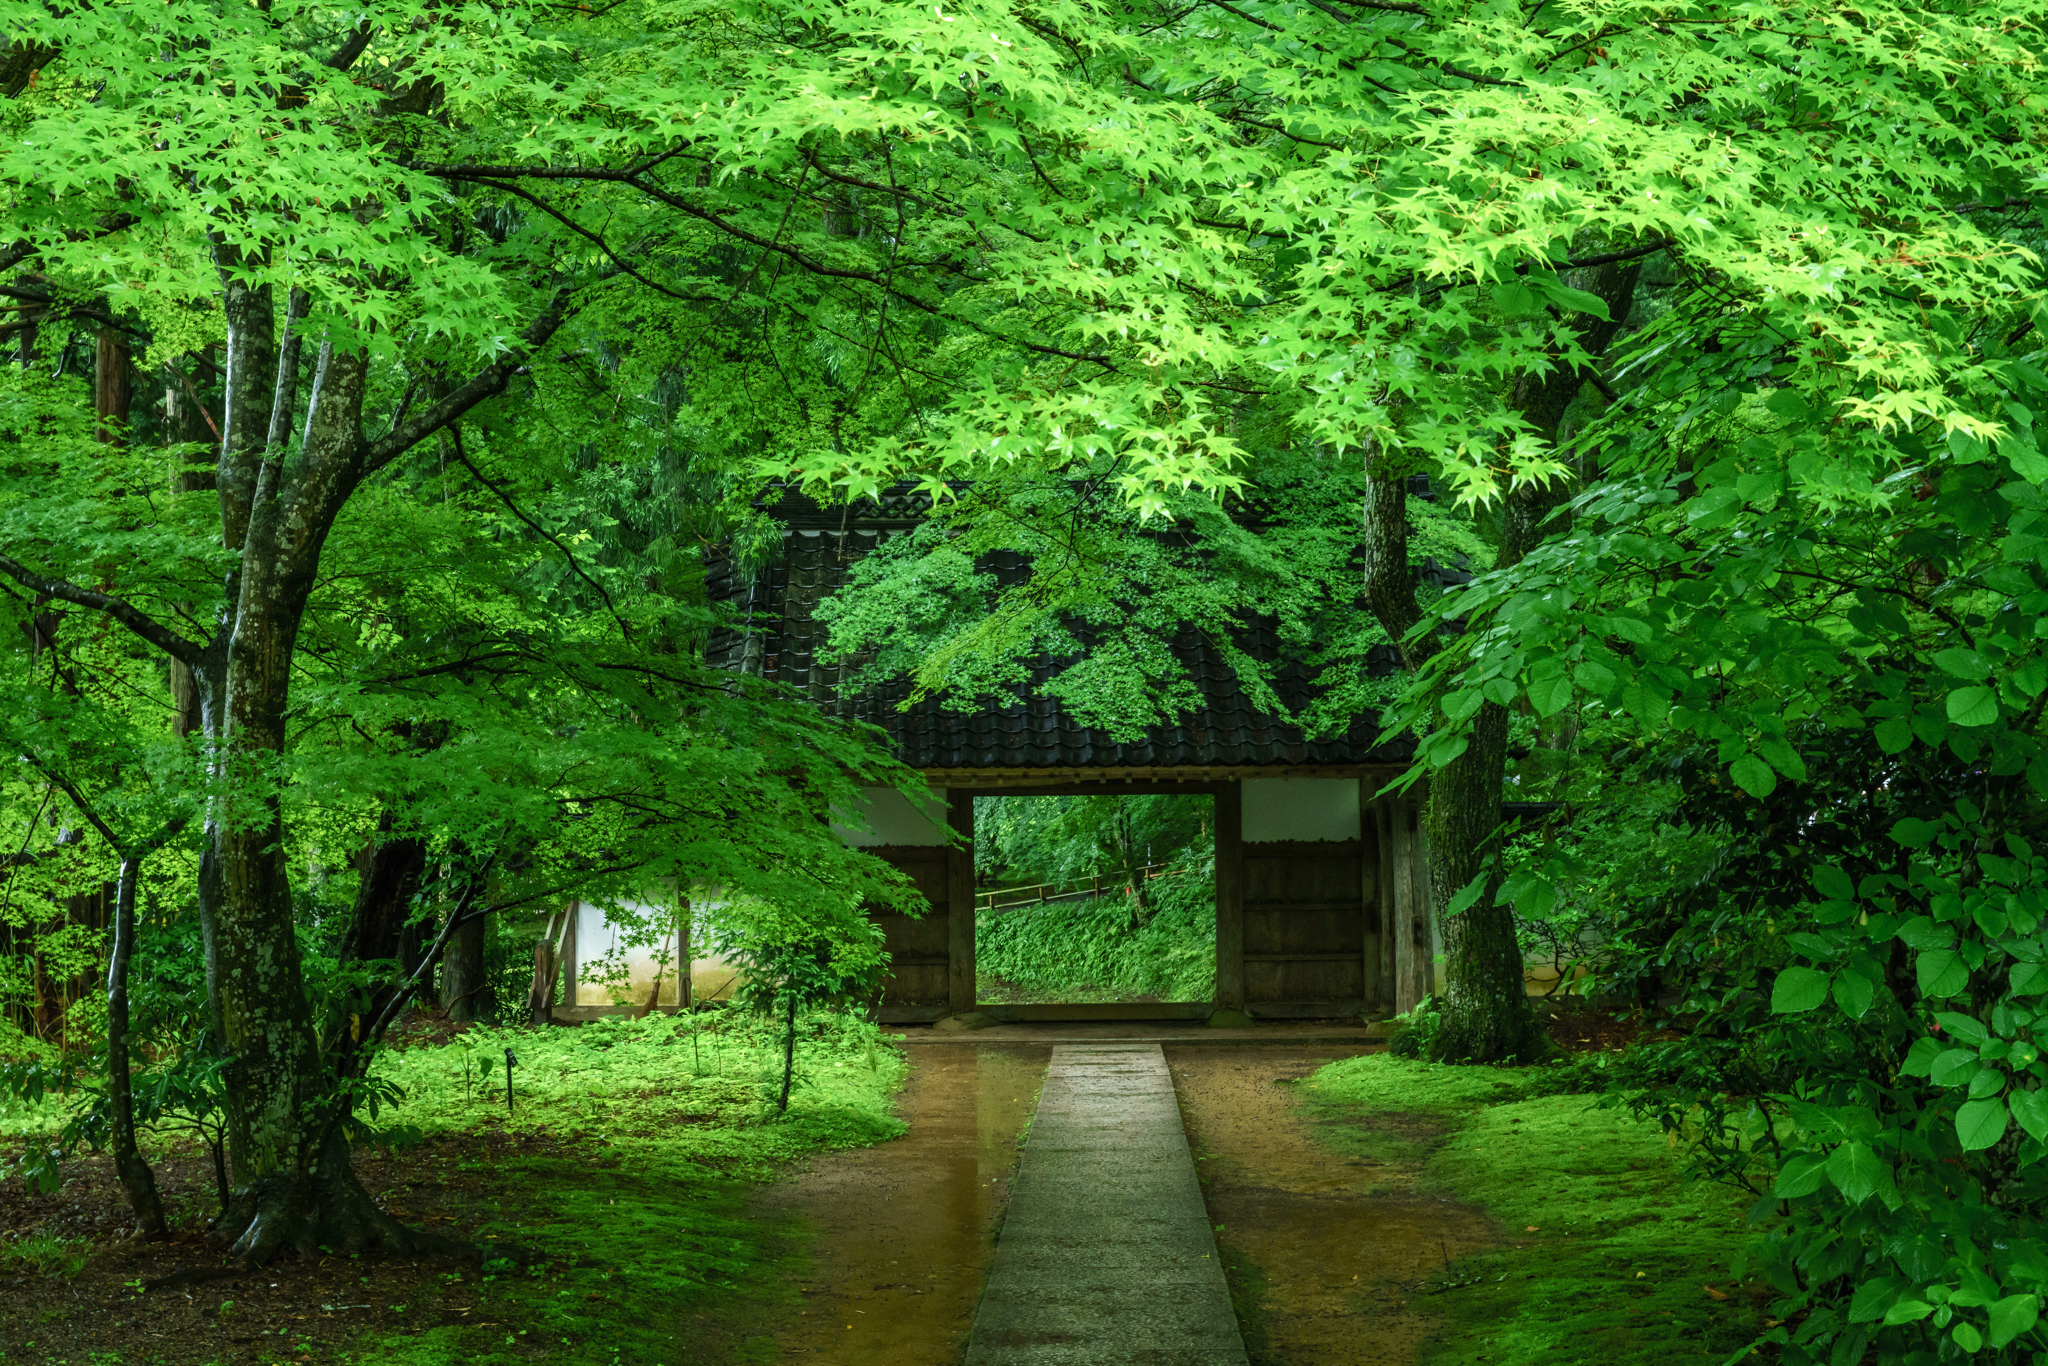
(1106, 1257)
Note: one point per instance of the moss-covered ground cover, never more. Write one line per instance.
(611, 1203)
(1608, 1255)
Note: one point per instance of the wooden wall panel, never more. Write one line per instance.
(1305, 924)
(1230, 898)
(920, 949)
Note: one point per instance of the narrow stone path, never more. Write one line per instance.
(1106, 1257)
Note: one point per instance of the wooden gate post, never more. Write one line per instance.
(1409, 927)
(960, 983)
(1230, 896)
(1371, 909)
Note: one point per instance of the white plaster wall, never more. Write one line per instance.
(1300, 809)
(888, 817)
(596, 937)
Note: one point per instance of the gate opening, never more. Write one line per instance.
(1095, 899)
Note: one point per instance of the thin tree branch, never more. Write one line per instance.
(462, 459)
(487, 383)
(151, 630)
(603, 246)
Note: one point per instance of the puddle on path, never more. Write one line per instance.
(903, 1232)
(1327, 1255)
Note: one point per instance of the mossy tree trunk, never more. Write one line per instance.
(291, 1183)
(1486, 1014)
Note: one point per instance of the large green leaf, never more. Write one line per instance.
(1753, 776)
(1854, 993)
(1914, 832)
(1798, 990)
(1549, 695)
(1574, 300)
(2012, 1316)
(1941, 973)
(1973, 706)
(1962, 663)
(1980, 1123)
(1894, 736)
(1856, 1171)
(1802, 1174)
(2030, 1108)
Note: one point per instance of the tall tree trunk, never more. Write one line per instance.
(465, 987)
(1486, 1014)
(136, 1177)
(287, 1159)
(111, 387)
(291, 1184)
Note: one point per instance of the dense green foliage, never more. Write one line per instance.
(1152, 931)
(1163, 298)
(1022, 841)
(1094, 949)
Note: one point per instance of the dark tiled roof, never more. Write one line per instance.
(778, 638)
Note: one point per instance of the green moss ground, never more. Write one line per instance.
(658, 1129)
(1607, 1250)
(613, 1205)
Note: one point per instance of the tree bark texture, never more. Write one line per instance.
(1486, 1014)
(465, 984)
(292, 1185)
(137, 1180)
(287, 1095)
(111, 387)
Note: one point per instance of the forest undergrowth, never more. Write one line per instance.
(1098, 950)
(1608, 1255)
(609, 1202)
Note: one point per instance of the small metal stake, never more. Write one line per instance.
(509, 1061)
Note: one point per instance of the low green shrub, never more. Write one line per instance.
(44, 1253)
(1083, 946)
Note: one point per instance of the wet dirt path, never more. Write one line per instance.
(1329, 1257)
(903, 1233)
(1330, 1249)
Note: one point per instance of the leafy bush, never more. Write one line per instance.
(1416, 1032)
(1861, 1047)
(1074, 946)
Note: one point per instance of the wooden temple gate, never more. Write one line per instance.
(1305, 927)
(1321, 904)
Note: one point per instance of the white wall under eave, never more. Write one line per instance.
(598, 938)
(1300, 809)
(888, 817)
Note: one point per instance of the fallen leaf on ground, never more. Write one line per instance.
(1530, 1229)
(1715, 1293)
